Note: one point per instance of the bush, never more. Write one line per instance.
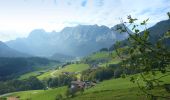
(59, 97)
(3, 98)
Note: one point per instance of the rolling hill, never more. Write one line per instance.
(14, 67)
(114, 89)
(72, 68)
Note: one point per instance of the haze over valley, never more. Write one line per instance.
(74, 41)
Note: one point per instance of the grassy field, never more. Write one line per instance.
(39, 71)
(102, 55)
(119, 89)
(40, 94)
(114, 89)
(68, 68)
(111, 58)
(45, 75)
(98, 55)
(27, 75)
(113, 61)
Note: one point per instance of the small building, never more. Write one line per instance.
(12, 98)
(77, 84)
(82, 84)
(68, 73)
(89, 84)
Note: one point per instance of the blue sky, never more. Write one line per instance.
(19, 17)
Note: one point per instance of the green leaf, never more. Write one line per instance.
(122, 31)
(142, 49)
(132, 79)
(136, 31)
(147, 20)
(167, 34)
(153, 73)
(146, 34)
(134, 26)
(144, 22)
(149, 85)
(131, 20)
(168, 14)
(123, 75)
(158, 44)
(131, 51)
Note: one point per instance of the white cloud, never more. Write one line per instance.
(22, 16)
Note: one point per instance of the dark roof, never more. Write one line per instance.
(78, 82)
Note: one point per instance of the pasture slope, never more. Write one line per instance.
(69, 68)
(113, 89)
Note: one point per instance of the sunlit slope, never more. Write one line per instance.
(114, 89)
(40, 94)
(69, 68)
(120, 89)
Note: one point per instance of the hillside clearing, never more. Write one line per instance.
(69, 68)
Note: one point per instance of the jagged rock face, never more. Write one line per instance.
(75, 41)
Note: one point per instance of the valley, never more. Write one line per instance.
(84, 50)
(114, 88)
(117, 89)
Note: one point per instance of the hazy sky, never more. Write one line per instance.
(19, 17)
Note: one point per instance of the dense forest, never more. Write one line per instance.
(13, 67)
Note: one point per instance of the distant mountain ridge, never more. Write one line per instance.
(75, 41)
(159, 29)
(6, 51)
(156, 32)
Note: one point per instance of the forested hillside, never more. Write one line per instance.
(13, 67)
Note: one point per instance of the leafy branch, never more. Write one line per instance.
(143, 55)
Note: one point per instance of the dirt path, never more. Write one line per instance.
(53, 73)
(7, 94)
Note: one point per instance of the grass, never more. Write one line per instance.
(27, 75)
(40, 70)
(72, 68)
(99, 55)
(75, 68)
(113, 61)
(113, 89)
(110, 57)
(40, 94)
(45, 75)
(120, 89)
(68, 68)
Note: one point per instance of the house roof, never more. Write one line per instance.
(12, 98)
(78, 82)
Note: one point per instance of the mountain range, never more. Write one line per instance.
(72, 41)
(75, 41)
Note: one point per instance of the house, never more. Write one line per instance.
(77, 84)
(68, 73)
(82, 84)
(89, 84)
(13, 98)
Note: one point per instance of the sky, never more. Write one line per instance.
(19, 17)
